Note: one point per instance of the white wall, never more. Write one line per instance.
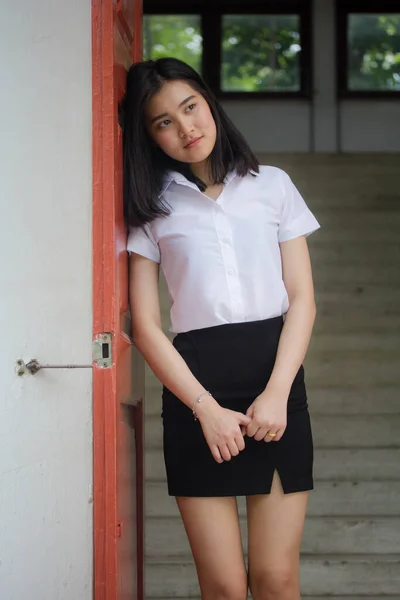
(45, 300)
(323, 124)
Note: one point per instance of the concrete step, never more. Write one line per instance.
(367, 311)
(353, 368)
(367, 198)
(351, 400)
(348, 576)
(335, 232)
(359, 253)
(329, 431)
(350, 294)
(360, 274)
(355, 323)
(375, 297)
(329, 498)
(362, 431)
(332, 464)
(328, 535)
(361, 221)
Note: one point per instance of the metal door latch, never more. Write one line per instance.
(102, 356)
(102, 350)
(33, 366)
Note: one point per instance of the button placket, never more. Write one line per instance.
(225, 238)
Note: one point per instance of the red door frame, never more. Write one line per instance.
(106, 305)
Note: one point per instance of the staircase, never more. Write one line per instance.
(351, 543)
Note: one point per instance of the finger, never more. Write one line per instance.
(216, 454)
(244, 419)
(233, 449)
(250, 411)
(269, 438)
(224, 450)
(240, 442)
(243, 429)
(260, 434)
(252, 428)
(279, 435)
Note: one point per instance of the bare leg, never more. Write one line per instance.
(275, 524)
(212, 526)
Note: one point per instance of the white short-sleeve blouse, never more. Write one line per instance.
(221, 258)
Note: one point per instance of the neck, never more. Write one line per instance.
(201, 170)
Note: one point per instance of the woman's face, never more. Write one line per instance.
(180, 122)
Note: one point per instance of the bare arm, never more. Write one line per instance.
(299, 321)
(221, 427)
(160, 354)
(269, 410)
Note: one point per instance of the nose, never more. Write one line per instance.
(185, 128)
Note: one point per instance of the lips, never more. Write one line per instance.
(193, 142)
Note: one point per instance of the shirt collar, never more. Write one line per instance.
(171, 176)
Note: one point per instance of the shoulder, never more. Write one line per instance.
(271, 178)
(273, 175)
(271, 181)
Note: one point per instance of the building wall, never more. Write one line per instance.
(45, 300)
(323, 124)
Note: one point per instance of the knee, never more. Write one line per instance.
(229, 589)
(279, 582)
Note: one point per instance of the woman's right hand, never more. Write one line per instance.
(222, 429)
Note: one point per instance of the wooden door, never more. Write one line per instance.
(118, 374)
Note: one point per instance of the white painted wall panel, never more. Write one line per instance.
(45, 302)
(370, 126)
(272, 125)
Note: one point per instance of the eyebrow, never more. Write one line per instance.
(166, 114)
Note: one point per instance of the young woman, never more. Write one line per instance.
(230, 237)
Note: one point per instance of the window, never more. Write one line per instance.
(260, 50)
(173, 35)
(368, 49)
(260, 53)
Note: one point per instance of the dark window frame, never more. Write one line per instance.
(211, 12)
(344, 8)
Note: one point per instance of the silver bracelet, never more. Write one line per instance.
(197, 401)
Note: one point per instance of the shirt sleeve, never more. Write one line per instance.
(296, 217)
(141, 241)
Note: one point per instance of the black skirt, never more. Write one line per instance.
(234, 362)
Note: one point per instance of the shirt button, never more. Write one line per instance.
(231, 271)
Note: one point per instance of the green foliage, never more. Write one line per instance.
(374, 52)
(173, 35)
(260, 53)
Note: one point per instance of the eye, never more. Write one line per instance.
(164, 123)
(190, 107)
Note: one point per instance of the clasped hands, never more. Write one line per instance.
(224, 429)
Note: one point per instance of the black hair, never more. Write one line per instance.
(145, 164)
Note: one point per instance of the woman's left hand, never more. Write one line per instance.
(268, 415)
